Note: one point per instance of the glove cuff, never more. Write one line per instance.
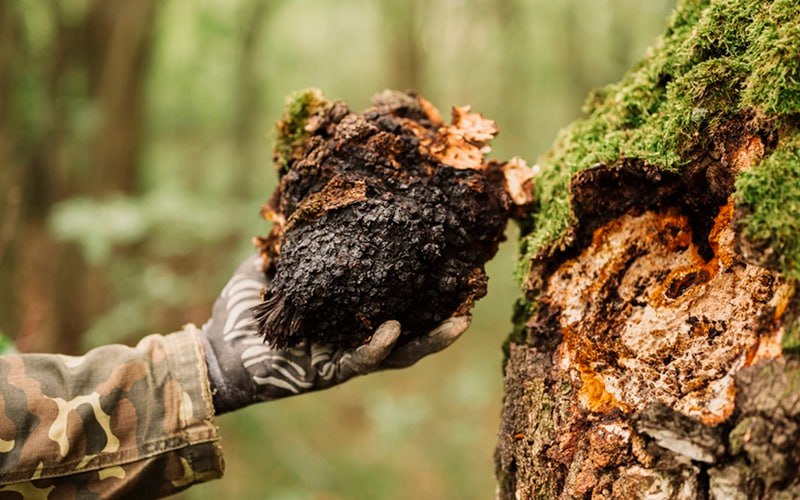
(225, 395)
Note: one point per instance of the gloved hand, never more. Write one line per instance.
(244, 370)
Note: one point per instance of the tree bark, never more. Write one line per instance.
(653, 355)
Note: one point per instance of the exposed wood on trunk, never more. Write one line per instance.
(645, 368)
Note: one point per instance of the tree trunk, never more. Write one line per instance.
(654, 354)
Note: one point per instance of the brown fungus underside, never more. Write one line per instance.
(652, 365)
(390, 214)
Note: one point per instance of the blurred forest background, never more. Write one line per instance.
(135, 154)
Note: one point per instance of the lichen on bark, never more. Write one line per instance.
(659, 270)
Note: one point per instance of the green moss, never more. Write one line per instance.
(773, 85)
(770, 195)
(717, 60)
(290, 131)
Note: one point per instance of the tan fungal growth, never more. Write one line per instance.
(519, 180)
(465, 141)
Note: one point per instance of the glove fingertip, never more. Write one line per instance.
(459, 325)
(453, 327)
(386, 335)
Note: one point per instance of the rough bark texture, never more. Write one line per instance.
(654, 354)
(389, 214)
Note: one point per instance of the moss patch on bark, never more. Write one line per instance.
(769, 196)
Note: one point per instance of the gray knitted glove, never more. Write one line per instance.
(244, 370)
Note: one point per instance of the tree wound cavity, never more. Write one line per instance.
(645, 319)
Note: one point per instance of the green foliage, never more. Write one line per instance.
(169, 221)
(290, 131)
(166, 223)
(717, 59)
(6, 344)
(770, 196)
(98, 225)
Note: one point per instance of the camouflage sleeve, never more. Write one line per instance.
(118, 422)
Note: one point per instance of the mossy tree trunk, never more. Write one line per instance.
(654, 354)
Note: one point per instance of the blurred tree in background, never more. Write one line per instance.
(134, 156)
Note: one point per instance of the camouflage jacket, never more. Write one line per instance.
(118, 422)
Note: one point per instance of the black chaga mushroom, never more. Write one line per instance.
(388, 214)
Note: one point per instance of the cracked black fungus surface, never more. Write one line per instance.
(413, 248)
